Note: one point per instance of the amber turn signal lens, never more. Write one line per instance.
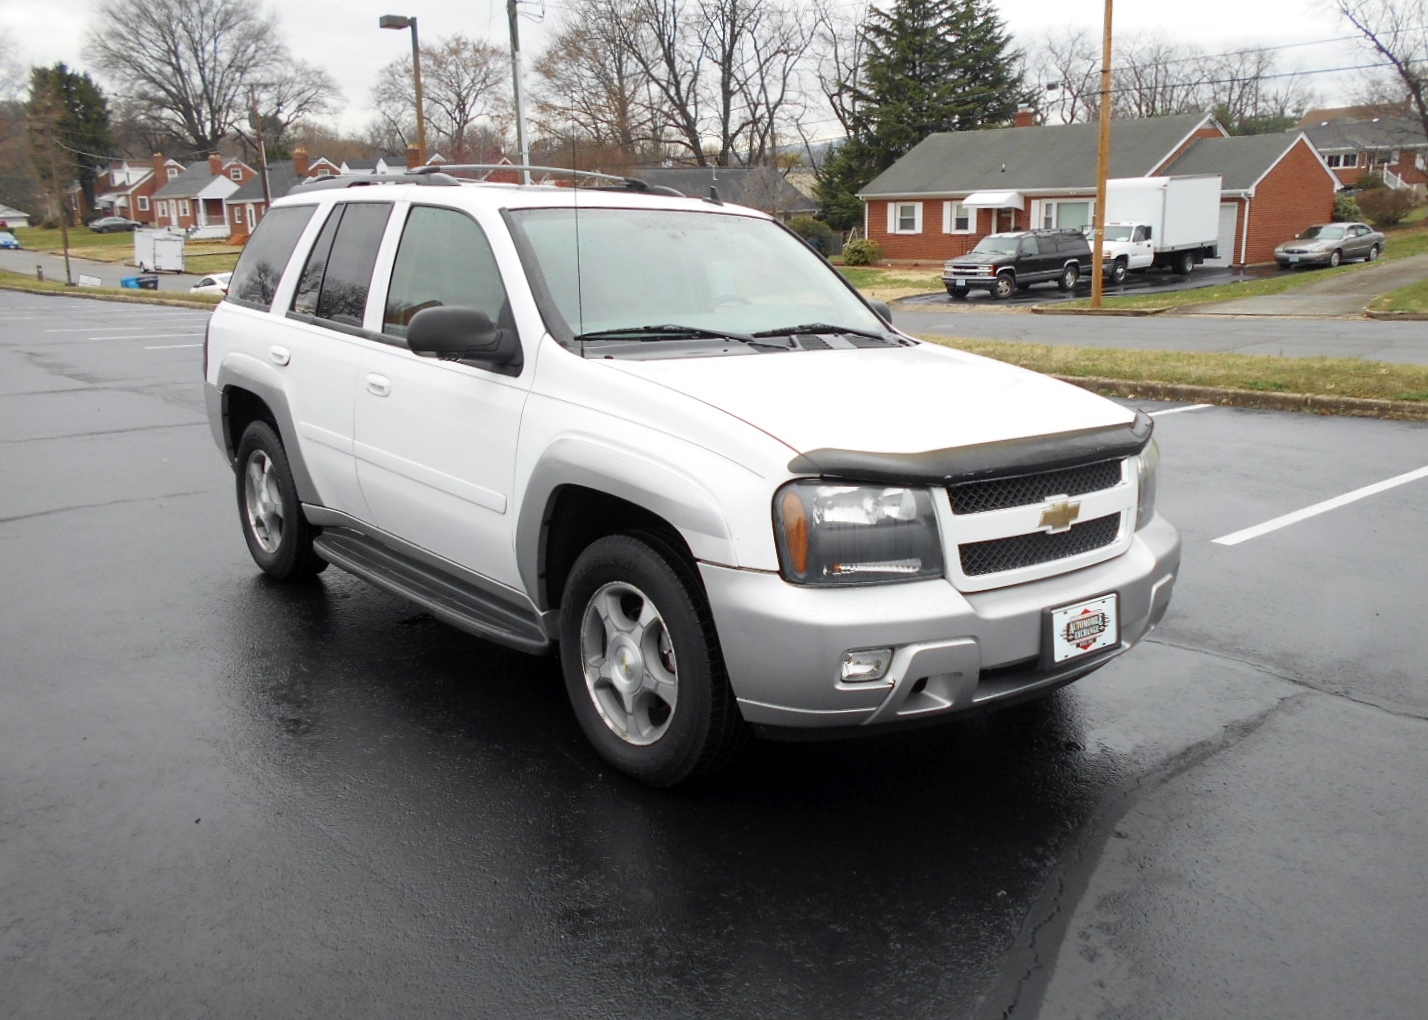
(795, 531)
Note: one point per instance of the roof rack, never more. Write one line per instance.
(439, 175)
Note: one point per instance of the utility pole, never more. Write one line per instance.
(57, 182)
(516, 75)
(1103, 162)
(262, 151)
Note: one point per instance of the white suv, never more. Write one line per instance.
(665, 437)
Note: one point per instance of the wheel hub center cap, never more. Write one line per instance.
(627, 664)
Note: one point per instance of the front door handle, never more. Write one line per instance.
(379, 385)
(279, 355)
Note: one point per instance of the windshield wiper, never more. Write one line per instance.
(815, 328)
(674, 331)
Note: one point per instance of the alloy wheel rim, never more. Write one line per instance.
(263, 502)
(629, 663)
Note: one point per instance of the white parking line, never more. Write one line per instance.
(1319, 508)
(1177, 410)
(151, 336)
(171, 347)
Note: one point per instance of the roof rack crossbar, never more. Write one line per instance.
(626, 183)
(359, 180)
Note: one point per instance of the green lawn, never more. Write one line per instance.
(1326, 377)
(1413, 298)
(36, 239)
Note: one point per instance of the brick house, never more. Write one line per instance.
(193, 201)
(954, 188)
(1392, 146)
(246, 206)
(129, 187)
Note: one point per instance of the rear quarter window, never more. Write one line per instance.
(265, 256)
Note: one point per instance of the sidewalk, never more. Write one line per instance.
(108, 273)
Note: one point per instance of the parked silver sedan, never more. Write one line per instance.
(1328, 244)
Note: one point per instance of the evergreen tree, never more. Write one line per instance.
(69, 128)
(931, 65)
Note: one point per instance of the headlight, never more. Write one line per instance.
(1148, 468)
(855, 534)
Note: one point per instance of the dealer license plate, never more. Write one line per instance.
(1085, 628)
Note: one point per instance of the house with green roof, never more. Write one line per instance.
(954, 188)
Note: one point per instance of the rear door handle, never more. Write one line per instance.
(379, 385)
(279, 355)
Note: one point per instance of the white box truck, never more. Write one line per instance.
(1160, 222)
(158, 251)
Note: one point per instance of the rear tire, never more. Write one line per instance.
(642, 663)
(1068, 278)
(1183, 263)
(1373, 254)
(1004, 287)
(279, 536)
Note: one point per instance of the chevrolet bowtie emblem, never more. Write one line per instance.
(1059, 516)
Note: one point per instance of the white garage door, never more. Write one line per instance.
(1229, 213)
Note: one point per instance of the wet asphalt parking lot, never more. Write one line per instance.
(224, 797)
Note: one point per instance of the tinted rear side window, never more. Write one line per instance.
(260, 267)
(338, 273)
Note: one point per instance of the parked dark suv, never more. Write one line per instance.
(1002, 263)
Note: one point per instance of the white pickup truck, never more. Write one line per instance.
(1161, 223)
(665, 439)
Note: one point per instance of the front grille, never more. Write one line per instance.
(1001, 554)
(1025, 490)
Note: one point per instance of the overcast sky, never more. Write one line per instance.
(343, 37)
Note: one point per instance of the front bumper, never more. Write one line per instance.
(1313, 258)
(783, 643)
(951, 281)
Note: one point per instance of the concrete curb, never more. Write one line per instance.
(1312, 403)
(1128, 313)
(133, 299)
(1397, 316)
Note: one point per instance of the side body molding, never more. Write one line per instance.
(264, 381)
(675, 495)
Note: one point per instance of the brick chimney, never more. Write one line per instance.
(300, 163)
(161, 169)
(215, 164)
(1025, 117)
(413, 157)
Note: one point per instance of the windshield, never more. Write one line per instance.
(1119, 233)
(995, 245)
(1324, 233)
(612, 269)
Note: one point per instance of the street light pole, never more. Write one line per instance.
(1103, 160)
(516, 76)
(398, 21)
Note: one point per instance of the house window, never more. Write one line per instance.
(143, 203)
(957, 218)
(164, 209)
(237, 215)
(236, 173)
(905, 218)
(173, 172)
(1072, 215)
(185, 209)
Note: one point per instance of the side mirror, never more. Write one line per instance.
(457, 333)
(881, 307)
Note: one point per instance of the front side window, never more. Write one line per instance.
(260, 267)
(1029, 246)
(443, 259)
(338, 273)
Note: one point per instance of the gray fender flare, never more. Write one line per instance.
(263, 381)
(674, 495)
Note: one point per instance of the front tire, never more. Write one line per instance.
(642, 663)
(279, 537)
(958, 294)
(1335, 258)
(1118, 271)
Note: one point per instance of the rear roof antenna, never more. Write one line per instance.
(714, 196)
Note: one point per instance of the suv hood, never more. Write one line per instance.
(983, 258)
(898, 400)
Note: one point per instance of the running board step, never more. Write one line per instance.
(445, 597)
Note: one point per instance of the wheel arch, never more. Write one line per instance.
(248, 393)
(569, 503)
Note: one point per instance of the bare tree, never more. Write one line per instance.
(839, 46)
(288, 96)
(1397, 30)
(465, 86)
(1068, 66)
(187, 63)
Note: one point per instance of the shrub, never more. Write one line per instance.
(862, 252)
(1346, 210)
(1386, 207)
(815, 232)
(1369, 182)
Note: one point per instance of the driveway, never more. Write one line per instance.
(1343, 294)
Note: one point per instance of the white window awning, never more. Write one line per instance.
(995, 200)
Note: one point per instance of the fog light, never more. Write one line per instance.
(864, 664)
